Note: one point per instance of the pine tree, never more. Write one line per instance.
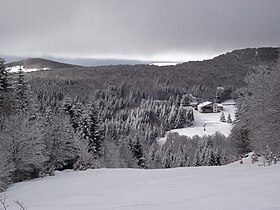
(4, 84)
(74, 110)
(20, 89)
(181, 117)
(6, 102)
(95, 138)
(196, 158)
(167, 157)
(137, 151)
(229, 119)
(223, 118)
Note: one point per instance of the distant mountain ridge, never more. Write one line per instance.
(31, 63)
(227, 70)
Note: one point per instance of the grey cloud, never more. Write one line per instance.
(135, 29)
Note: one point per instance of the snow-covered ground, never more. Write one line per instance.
(14, 69)
(232, 187)
(164, 64)
(212, 121)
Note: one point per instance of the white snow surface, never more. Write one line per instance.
(232, 187)
(212, 121)
(15, 69)
(164, 64)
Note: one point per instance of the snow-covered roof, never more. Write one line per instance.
(205, 103)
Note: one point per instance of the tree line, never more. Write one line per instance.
(43, 131)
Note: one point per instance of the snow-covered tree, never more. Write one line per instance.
(186, 100)
(23, 143)
(258, 111)
(20, 91)
(62, 149)
(6, 102)
(95, 138)
(167, 157)
(181, 158)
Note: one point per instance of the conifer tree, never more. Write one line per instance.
(137, 151)
(167, 157)
(229, 119)
(223, 118)
(4, 84)
(181, 117)
(6, 104)
(20, 88)
(95, 138)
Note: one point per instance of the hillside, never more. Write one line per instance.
(235, 186)
(226, 70)
(39, 63)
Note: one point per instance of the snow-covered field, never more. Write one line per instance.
(14, 69)
(212, 121)
(231, 187)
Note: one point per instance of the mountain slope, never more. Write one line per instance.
(235, 186)
(225, 70)
(32, 63)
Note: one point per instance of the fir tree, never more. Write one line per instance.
(20, 88)
(6, 102)
(181, 117)
(229, 119)
(137, 151)
(167, 157)
(95, 138)
(223, 118)
(4, 84)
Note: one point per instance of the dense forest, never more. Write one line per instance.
(93, 117)
(200, 78)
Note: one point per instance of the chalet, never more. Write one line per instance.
(208, 107)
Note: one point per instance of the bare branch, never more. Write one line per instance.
(21, 205)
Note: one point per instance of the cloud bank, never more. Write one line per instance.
(176, 30)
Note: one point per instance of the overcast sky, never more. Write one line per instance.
(163, 30)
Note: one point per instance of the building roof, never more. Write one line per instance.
(206, 103)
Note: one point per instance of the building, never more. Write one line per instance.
(208, 107)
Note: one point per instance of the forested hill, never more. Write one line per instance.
(40, 63)
(227, 70)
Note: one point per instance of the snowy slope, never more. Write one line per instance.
(231, 187)
(14, 69)
(212, 121)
